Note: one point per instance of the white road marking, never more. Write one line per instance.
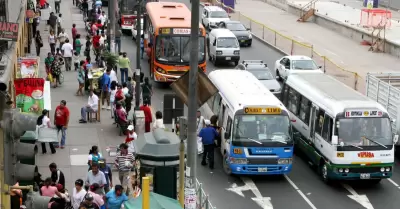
(330, 52)
(300, 192)
(263, 202)
(394, 183)
(360, 199)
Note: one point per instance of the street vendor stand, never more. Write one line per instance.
(157, 155)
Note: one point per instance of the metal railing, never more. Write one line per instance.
(202, 198)
(290, 46)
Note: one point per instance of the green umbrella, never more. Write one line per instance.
(156, 202)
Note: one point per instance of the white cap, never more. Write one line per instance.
(130, 127)
(207, 122)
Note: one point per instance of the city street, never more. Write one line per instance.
(301, 189)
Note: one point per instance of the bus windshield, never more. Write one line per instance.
(176, 49)
(365, 132)
(261, 129)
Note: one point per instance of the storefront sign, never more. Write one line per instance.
(29, 94)
(28, 67)
(9, 31)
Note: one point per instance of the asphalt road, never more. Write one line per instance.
(301, 189)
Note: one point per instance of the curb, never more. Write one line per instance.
(270, 45)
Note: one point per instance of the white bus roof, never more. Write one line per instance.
(240, 88)
(329, 93)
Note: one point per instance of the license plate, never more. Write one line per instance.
(262, 169)
(227, 58)
(365, 176)
(242, 40)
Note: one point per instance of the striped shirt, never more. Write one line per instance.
(121, 159)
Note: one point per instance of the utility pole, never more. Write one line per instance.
(112, 13)
(138, 56)
(192, 106)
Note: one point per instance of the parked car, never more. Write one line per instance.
(242, 33)
(291, 64)
(212, 16)
(261, 71)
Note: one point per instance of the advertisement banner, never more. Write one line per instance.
(28, 67)
(9, 31)
(29, 94)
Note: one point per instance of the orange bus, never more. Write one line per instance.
(168, 32)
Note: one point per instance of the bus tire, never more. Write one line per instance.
(323, 171)
(225, 165)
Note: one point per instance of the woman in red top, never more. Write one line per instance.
(148, 118)
(96, 40)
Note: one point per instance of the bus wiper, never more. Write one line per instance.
(378, 143)
(283, 142)
(355, 146)
(256, 141)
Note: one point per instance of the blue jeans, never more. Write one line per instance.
(84, 111)
(118, 44)
(63, 134)
(124, 74)
(141, 52)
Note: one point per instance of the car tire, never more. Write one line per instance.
(323, 172)
(225, 165)
(249, 45)
(236, 63)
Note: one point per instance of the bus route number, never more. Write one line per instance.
(237, 151)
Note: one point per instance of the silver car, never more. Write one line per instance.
(261, 71)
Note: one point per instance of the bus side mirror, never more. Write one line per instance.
(395, 139)
(335, 140)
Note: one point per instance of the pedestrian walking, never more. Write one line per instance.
(118, 34)
(59, 24)
(57, 176)
(116, 198)
(124, 65)
(57, 4)
(38, 42)
(147, 91)
(44, 122)
(94, 156)
(61, 120)
(52, 41)
(56, 69)
(53, 22)
(78, 194)
(148, 117)
(62, 37)
(74, 32)
(159, 123)
(48, 61)
(141, 46)
(106, 88)
(124, 161)
(106, 169)
(77, 44)
(95, 176)
(68, 51)
(81, 79)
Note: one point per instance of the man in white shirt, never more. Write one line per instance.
(68, 51)
(92, 106)
(103, 38)
(62, 37)
(103, 17)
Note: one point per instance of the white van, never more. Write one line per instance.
(223, 46)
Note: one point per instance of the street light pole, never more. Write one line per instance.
(192, 98)
(111, 14)
(138, 57)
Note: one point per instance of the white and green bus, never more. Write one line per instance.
(343, 133)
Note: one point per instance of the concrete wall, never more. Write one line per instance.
(353, 33)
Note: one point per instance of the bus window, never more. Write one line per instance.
(319, 122)
(217, 104)
(327, 128)
(228, 126)
(176, 49)
(305, 109)
(293, 101)
(221, 117)
(285, 95)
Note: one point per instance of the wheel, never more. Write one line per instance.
(249, 45)
(278, 75)
(323, 171)
(236, 63)
(225, 165)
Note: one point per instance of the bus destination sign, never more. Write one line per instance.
(263, 110)
(177, 31)
(363, 113)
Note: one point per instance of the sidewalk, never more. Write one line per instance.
(343, 51)
(80, 137)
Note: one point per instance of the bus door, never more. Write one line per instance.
(312, 123)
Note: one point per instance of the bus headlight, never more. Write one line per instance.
(161, 70)
(388, 169)
(219, 52)
(285, 161)
(340, 170)
(238, 160)
(382, 169)
(346, 170)
(236, 52)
